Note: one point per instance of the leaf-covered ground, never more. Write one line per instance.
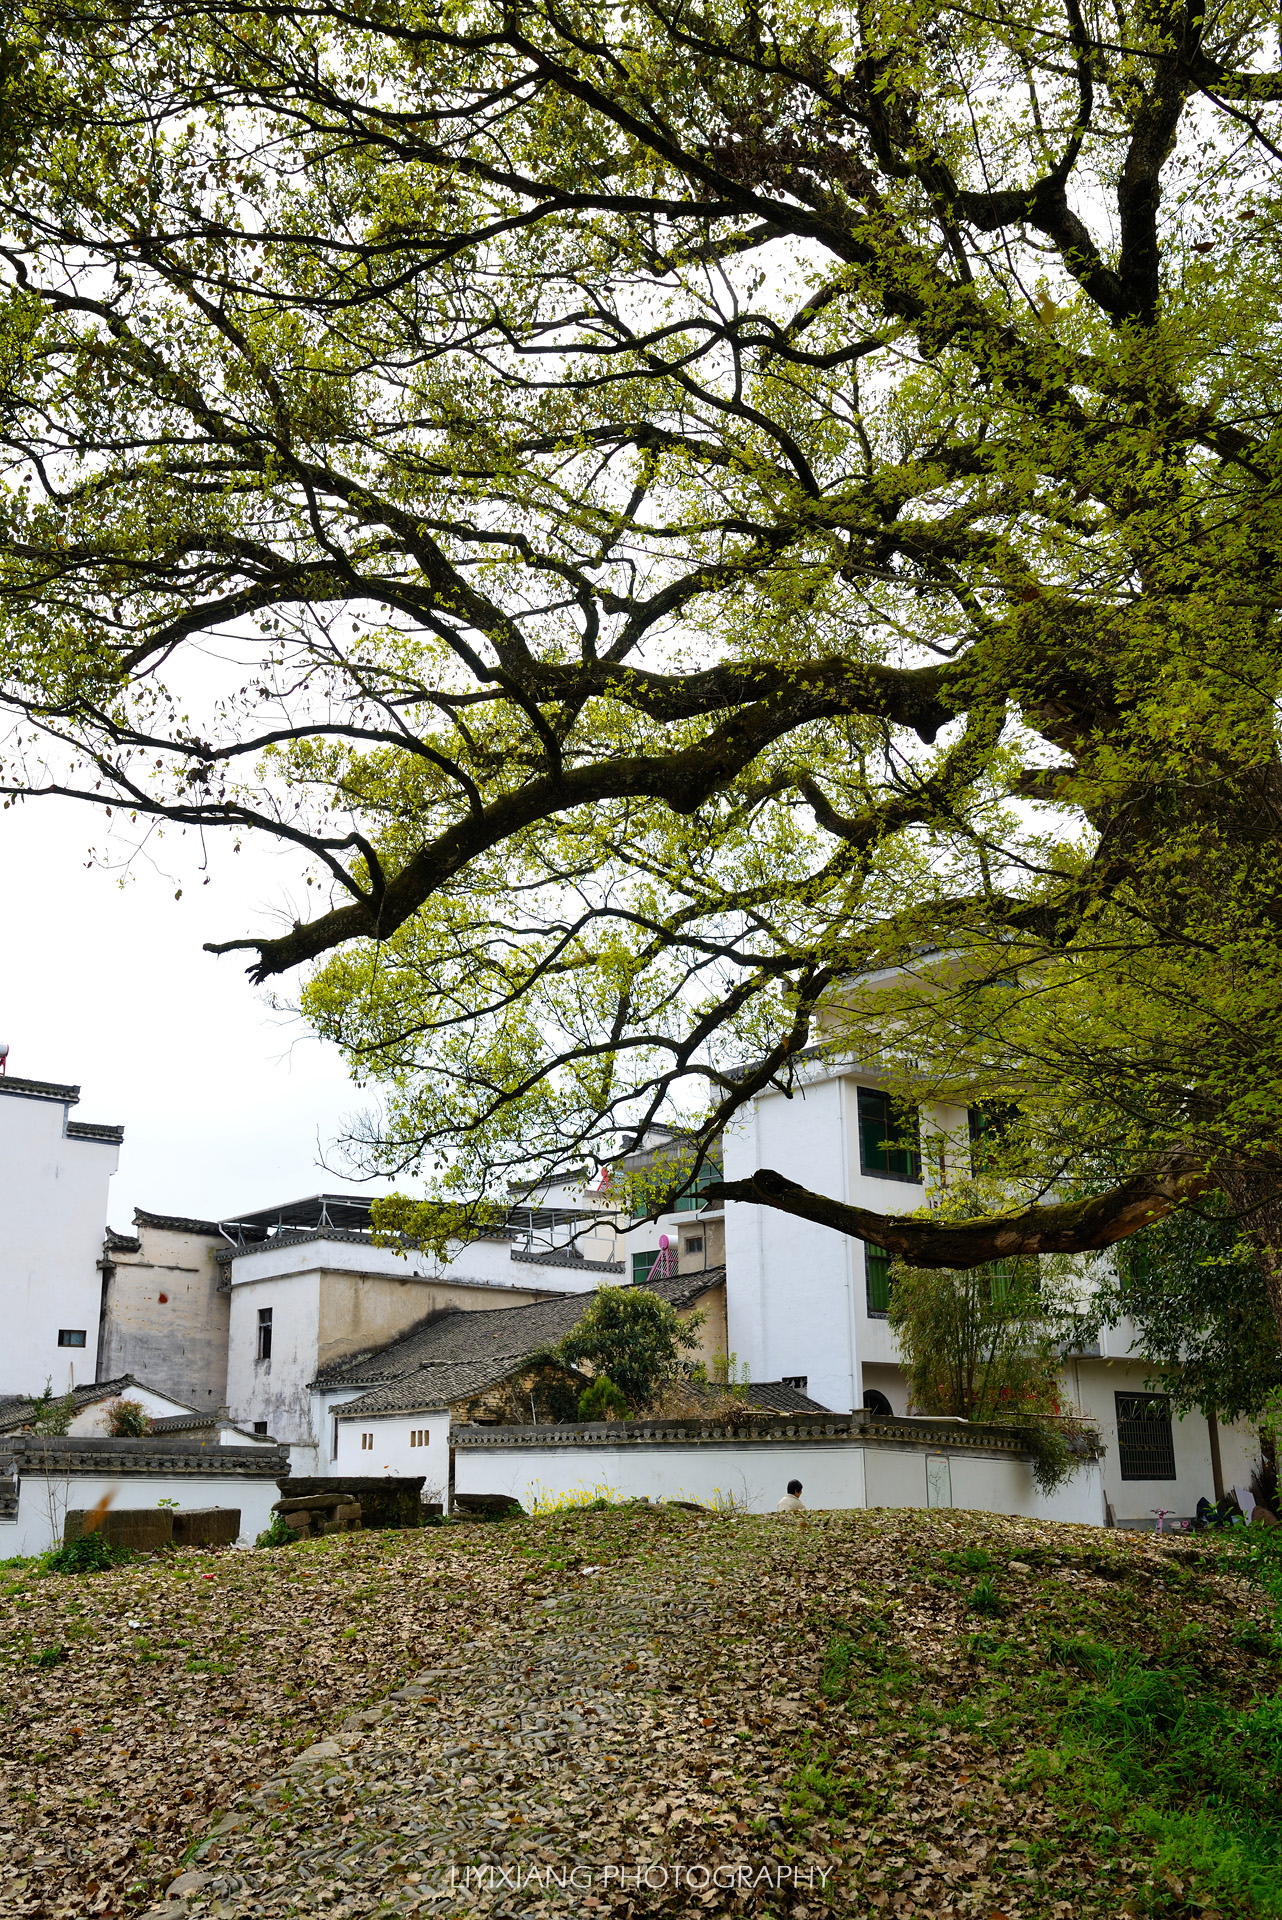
(865, 1713)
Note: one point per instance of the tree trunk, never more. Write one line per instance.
(1254, 1189)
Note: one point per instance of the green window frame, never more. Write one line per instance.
(877, 1280)
(889, 1140)
(641, 1265)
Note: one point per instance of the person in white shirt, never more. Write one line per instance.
(792, 1501)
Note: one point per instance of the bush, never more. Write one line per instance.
(602, 1401)
(89, 1554)
(128, 1420)
(278, 1534)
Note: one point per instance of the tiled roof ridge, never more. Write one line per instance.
(181, 1222)
(66, 1095)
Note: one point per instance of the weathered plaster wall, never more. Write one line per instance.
(359, 1310)
(166, 1321)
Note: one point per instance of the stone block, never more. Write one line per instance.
(206, 1526)
(143, 1529)
(490, 1503)
(335, 1512)
(387, 1500)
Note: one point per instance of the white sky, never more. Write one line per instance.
(227, 1105)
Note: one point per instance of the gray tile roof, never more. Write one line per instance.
(16, 1409)
(441, 1384)
(429, 1387)
(491, 1334)
(775, 1395)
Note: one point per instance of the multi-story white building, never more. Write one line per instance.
(807, 1304)
(53, 1185)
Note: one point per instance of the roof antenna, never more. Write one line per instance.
(4, 1056)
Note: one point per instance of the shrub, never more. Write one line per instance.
(602, 1401)
(278, 1534)
(91, 1553)
(128, 1420)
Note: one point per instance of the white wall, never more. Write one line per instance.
(834, 1475)
(277, 1390)
(53, 1200)
(797, 1296)
(1097, 1383)
(789, 1283)
(392, 1452)
(43, 1503)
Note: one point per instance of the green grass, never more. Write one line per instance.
(1155, 1753)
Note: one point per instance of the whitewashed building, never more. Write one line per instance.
(807, 1304)
(53, 1186)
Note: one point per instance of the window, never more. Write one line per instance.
(71, 1336)
(797, 1380)
(260, 1426)
(419, 1437)
(693, 1245)
(264, 1333)
(987, 1125)
(694, 1202)
(367, 1443)
(641, 1265)
(889, 1145)
(878, 1405)
(877, 1275)
(1145, 1449)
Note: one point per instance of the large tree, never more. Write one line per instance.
(677, 511)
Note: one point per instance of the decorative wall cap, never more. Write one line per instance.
(788, 1429)
(558, 1258)
(41, 1453)
(94, 1130)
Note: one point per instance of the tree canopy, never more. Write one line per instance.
(678, 511)
(633, 1338)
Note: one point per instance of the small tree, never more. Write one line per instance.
(634, 1337)
(52, 1417)
(128, 1420)
(985, 1345)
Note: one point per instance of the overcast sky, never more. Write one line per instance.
(227, 1105)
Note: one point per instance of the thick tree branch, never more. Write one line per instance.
(1071, 1226)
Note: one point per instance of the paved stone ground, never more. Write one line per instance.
(519, 1776)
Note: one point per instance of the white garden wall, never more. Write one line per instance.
(753, 1474)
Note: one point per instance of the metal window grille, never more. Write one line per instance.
(1145, 1447)
(797, 1380)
